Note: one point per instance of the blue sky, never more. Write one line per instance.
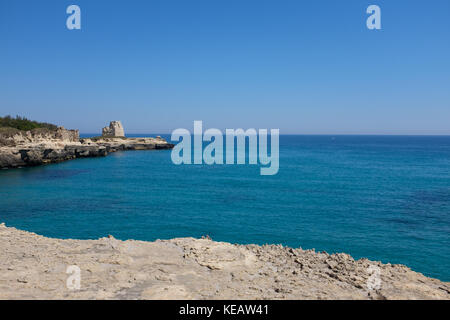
(300, 66)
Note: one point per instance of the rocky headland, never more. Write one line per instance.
(34, 267)
(20, 148)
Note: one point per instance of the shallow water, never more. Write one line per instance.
(382, 197)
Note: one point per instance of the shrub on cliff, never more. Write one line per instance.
(22, 123)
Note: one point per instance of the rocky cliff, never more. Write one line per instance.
(14, 137)
(34, 267)
(42, 146)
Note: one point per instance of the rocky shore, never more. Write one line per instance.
(42, 146)
(34, 267)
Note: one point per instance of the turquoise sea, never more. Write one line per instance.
(382, 197)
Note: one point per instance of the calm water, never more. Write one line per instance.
(384, 198)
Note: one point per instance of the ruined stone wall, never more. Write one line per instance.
(115, 129)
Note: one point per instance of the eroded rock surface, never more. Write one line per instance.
(13, 137)
(34, 267)
(32, 148)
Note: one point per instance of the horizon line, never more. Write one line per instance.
(307, 134)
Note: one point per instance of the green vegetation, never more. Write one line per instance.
(22, 123)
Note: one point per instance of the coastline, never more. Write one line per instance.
(34, 267)
(37, 147)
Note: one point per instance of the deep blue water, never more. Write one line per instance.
(382, 197)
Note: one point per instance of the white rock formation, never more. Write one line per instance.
(115, 129)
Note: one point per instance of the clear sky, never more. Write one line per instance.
(300, 66)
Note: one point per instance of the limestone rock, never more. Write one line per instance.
(60, 147)
(67, 135)
(34, 267)
(42, 146)
(14, 137)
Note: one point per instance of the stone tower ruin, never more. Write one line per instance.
(115, 129)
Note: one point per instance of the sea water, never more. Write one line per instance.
(386, 198)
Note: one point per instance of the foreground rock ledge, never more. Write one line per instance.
(34, 267)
